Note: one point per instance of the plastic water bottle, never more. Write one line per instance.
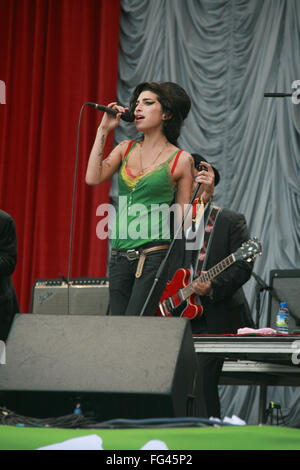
(282, 319)
(77, 410)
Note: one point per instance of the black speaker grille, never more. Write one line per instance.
(112, 361)
(285, 285)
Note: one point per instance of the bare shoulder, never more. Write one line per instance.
(185, 163)
(122, 146)
(185, 157)
(124, 143)
(118, 152)
(113, 161)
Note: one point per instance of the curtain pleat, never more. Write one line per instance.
(227, 54)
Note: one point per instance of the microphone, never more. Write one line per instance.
(276, 95)
(127, 116)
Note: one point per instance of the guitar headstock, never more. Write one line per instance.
(249, 250)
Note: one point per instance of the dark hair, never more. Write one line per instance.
(174, 101)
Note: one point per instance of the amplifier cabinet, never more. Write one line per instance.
(79, 296)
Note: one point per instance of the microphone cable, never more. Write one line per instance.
(73, 207)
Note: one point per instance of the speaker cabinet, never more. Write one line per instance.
(81, 296)
(285, 284)
(117, 367)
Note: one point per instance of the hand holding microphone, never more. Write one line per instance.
(124, 112)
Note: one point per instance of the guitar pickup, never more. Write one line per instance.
(166, 306)
(181, 296)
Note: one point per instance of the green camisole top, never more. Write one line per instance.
(144, 203)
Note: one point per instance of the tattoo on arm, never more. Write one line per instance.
(106, 161)
(192, 167)
(100, 154)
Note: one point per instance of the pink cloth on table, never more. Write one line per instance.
(260, 331)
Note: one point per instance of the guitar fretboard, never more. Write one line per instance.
(209, 275)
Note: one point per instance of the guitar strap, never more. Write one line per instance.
(201, 258)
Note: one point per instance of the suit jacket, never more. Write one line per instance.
(227, 308)
(8, 259)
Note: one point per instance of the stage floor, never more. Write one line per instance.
(209, 438)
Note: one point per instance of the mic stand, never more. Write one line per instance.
(277, 95)
(164, 262)
(258, 291)
(73, 205)
(260, 287)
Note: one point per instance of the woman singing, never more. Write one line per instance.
(152, 171)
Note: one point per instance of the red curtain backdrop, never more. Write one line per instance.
(55, 55)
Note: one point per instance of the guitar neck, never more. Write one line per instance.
(209, 275)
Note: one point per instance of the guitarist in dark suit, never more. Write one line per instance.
(225, 308)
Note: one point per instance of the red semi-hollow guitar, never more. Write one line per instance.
(179, 297)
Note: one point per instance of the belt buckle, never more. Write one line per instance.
(132, 255)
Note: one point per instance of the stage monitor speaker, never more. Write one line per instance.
(116, 367)
(285, 287)
(81, 296)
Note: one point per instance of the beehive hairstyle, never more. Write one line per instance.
(174, 101)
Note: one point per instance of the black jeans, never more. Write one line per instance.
(128, 294)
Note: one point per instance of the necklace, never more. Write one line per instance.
(142, 171)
